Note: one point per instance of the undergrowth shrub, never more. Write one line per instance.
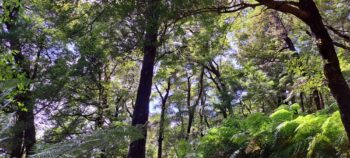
(285, 133)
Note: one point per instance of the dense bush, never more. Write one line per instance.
(284, 133)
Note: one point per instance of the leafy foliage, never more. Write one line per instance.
(248, 83)
(282, 134)
(99, 142)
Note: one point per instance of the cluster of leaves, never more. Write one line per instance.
(7, 81)
(284, 133)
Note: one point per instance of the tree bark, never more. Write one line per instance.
(137, 148)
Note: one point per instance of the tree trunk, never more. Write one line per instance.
(222, 88)
(316, 99)
(224, 113)
(192, 109)
(188, 100)
(321, 99)
(24, 129)
(289, 45)
(161, 131)
(302, 106)
(162, 117)
(336, 82)
(137, 148)
(307, 11)
(103, 102)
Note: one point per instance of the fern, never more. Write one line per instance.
(282, 134)
(93, 144)
(334, 132)
(256, 123)
(321, 147)
(295, 108)
(281, 115)
(309, 127)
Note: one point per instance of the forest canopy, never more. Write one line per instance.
(175, 78)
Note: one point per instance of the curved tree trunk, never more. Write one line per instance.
(336, 82)
(307, 11)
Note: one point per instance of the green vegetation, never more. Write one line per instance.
(175, 78)
(284, 133)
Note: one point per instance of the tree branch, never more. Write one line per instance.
(341, 45)
(286, 7)
(221, 9)
(338, 33)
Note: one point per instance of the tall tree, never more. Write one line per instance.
(24, 129)
(150, 44)
(192, 107)
(162, 115)
(307, 11)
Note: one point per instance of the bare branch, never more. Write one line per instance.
(341, 45)
(160, 93)
(338, 33)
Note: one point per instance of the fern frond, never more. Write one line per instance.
(92, 144)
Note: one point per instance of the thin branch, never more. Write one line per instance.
(338, 33)
(341, 45)
(160, 93)
(219, 10)
(230, 9)
(200, 91)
